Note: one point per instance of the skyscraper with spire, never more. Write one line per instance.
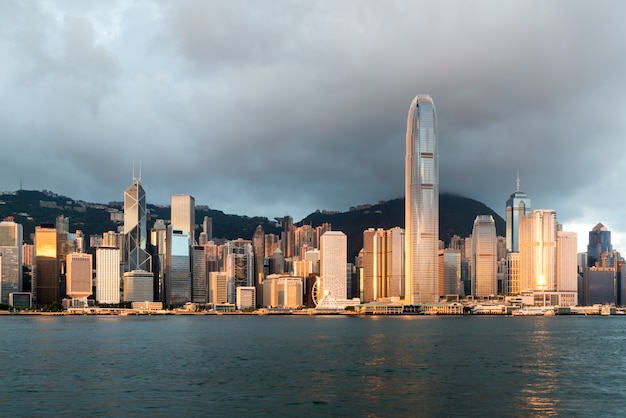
(135, 227)
(517, 206)
(422, 202)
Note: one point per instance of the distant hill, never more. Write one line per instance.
(456, 217)
(31, 208)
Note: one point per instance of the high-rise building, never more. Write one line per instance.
(47, 269)
(199, 276)
(449, 272)
(517, 206)
(135, 227)
(138, 286)
(422, 203)
(395, 249)
(11, 237)
(239, 266)
(183, 214)
(79, 275)
(258, 246)
(484, 257)
(383, 264)
(108, 275)
(177, 267)
(218, 287)
(599, 242)
(567, 264)
(332, 288)
(537, 245)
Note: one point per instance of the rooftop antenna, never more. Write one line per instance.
(137, 179)
(517, 182)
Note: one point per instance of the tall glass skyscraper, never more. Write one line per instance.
(484, 257)
(517, 206)
(422, 202)
(135, 227)
(599, 242)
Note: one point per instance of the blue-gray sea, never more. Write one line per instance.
(182, 366)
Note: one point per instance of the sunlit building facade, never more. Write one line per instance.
(332, 286)
(484, 257)
(567, 264)
(422, 203)
(79, 275)
(183, 214)
(11, 237)
(47, 269)
(108, 275)
(537, 245)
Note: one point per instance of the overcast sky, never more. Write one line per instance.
(284, 107)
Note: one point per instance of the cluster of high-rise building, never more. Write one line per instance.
(175, 262)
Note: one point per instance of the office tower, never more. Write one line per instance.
(79, 276)
(512, 274)
(258, 245)
(108, 275)
(287, 237)
(245, 297)
(11, 237)
(422, 203)
(283, 291)
(331, 291)
(138, 286)
(177, 284)
(567, 265)
(135, 227)
(218, 288)
(373, 263)
(183, 214)
(517, 206)
(395, 255)
(158, 239)
(63, 224)
(449, 272)
(47, 268)
(484, 257)
(537, 247)
(599, 242)
(239, 266)
(199, 276)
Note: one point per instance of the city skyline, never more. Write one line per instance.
(275, 109)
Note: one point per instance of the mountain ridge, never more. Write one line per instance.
(31, 208)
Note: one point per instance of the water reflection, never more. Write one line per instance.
(539, 369)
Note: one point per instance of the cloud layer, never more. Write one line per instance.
(281, 107)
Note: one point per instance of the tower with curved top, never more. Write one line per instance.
(422, 203)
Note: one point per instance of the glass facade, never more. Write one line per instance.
(422, 203)
(10, 259)
(135, 227)
(517, 206)
(484, 257)
(47, 270)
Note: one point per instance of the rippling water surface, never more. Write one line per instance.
(312, 366)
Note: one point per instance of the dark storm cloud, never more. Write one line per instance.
(285, 107)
